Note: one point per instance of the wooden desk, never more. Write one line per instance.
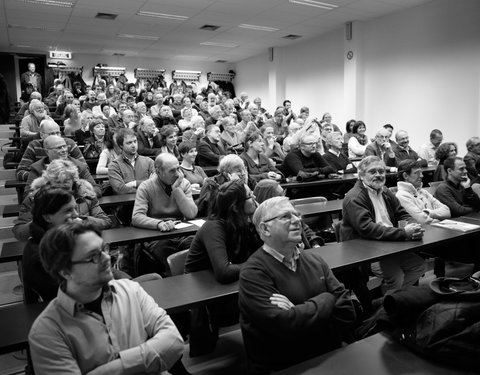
(11, 251)
(179, 293)
(126, 235)
(375, 355)
(317, 208)
(16, 321)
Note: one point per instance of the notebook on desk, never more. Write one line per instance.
(456, 225)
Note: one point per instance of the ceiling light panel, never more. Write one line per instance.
(314, 3)
(215, 44)
(55, 3)
(142, 37)
(256, 27)
(162, 15)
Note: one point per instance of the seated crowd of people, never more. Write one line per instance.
(291, 306)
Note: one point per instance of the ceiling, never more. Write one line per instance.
(38, 28)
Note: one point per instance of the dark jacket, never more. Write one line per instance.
(144, 147)
(258, 171)
(339, 162)
(374, 150)
(359, 216)
(209, 153)
(402, 154)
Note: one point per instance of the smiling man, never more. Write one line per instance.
(97, 325)
(291, 305)
(370, 210)
(418, 202)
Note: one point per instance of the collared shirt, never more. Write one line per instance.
(336, 153)
(134, 334)
(427, 152)
(290, 263)
(381, 213)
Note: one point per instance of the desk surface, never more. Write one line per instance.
(11, 251)
(179, 293)
(375, 355)
(121, 236)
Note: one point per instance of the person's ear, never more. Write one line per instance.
(66, 274)
(264, 229)
(47, 218)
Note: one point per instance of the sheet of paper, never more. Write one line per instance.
(182, 225)
(197, 222)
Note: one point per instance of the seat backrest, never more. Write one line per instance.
(176, 262)
(308, 200)
(433, 186)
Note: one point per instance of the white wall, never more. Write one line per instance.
(420, 70)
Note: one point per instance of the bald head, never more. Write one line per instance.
(49, 127)
(402, 138)
(167, 168)
(55, 147)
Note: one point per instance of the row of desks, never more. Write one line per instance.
(179, 293)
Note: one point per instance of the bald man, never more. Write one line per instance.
(159, 201)
(35, 149)
(56, 148)
(403, 150)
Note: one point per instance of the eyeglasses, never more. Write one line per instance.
(309, 144)
(95, 258)
(286, 216)
(59, 148)
(39, 110)
(374, 171)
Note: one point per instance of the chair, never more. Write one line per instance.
(176, 262)
(433, 186)
(308, 200)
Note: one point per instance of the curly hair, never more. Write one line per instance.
(443, 151)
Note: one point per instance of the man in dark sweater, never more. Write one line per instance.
(456, 192)
(382, 148)
(210, 149)
(306, 159)
(403, 150)
(291, 305)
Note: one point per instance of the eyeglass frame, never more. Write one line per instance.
(94, 259)
(294, 213)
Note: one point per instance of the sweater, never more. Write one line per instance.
(275, 338)
(359, 216)
(296, 161)
(210, 250)
(121, 171)
(459, 200)
(209, 153)
(152, 203)
(415, 201)
(258, 171)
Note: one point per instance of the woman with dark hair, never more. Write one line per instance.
(444, 151)
(51, 207)
(96, 143)
(348, 130)
(359, 141)
(227, 238)
(193, 173)
(168, 141)
(258, 165)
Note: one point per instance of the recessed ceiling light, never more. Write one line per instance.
(142, 37)
(291, 36)
(106, 16)
(38, 28)
(213, 44)
(55, 3)
(314, 3)
(255, 27)
(162, 15)
(20, 45)
(209, 27)
(221, 61)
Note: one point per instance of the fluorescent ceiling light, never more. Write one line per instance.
(38, 28)
(20, 45)
(255, 27)
(55, 3)
(142, 37)
(162, 15)
(213, 44)
(314, 3)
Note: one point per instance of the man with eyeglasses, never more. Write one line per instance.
(306, 161)
(382, 148)
(57, 148)
(29, 127)
(291, 305)
(97, 325)
(36, 150)
(371, 210)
